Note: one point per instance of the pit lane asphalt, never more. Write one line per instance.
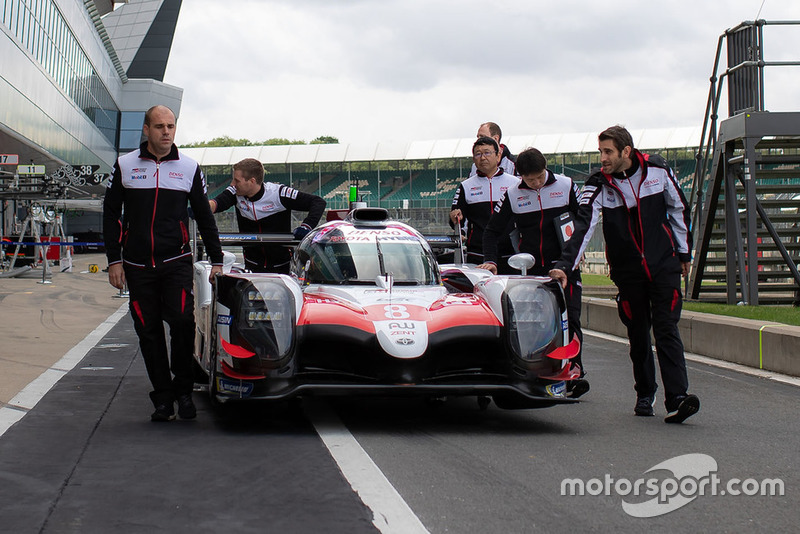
(87, 459)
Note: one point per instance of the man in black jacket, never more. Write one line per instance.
(536, 206)
(145, 223)
(477, 196)
(266, 207)
(648, 246)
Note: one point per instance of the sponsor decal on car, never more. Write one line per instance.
(225, 319)
(234, 387)
(558, 389)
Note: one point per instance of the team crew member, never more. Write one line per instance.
(535, 205)
(507, 159)
(265, 207)
(476, 197)
(648, 244)
(149, 249)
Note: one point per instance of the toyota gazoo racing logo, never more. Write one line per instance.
(670, 485)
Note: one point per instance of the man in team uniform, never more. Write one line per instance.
(266, 207)
(648, 245)
(536, 206)
(476, 197)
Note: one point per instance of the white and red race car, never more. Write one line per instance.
(368, 311)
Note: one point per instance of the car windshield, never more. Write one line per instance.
(340, 259)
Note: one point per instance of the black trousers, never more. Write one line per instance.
(643, 304)
(158, 295)
(573, 293)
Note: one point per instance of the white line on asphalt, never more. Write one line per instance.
(722, 364)
(391, 514)
(38, 388)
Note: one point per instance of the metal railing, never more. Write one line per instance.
(745, 54)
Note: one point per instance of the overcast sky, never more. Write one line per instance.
(391, 70)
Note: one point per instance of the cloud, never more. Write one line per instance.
(365, 70)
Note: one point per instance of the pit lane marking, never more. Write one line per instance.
(391, 514)
(31, 394)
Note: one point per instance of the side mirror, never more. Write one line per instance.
(521, 262)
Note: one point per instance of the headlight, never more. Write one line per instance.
(533, 320)
(266, 319)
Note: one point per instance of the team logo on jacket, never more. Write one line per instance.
(176, 175)
(556, 194)
(266, 207)
(138, 174)
(651, 182)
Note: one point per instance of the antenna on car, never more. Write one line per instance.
(458, 253)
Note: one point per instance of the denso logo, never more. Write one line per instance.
(649, 183)
(266, 207)
(556, 194)
(176, 175)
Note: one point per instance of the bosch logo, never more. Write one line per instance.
(405, 341)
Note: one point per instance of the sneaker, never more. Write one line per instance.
(186, 409)
(577, 388)
(689, 405)
(644, 406)
(164, 412)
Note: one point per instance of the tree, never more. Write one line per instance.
(227, 140)
(325, 140)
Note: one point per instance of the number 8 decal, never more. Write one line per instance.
(396, 311)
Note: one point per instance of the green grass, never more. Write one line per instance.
(777, 314)
(596, 280)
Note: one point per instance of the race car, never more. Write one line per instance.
(367, 310)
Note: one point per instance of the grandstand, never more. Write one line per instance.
(416, 181)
